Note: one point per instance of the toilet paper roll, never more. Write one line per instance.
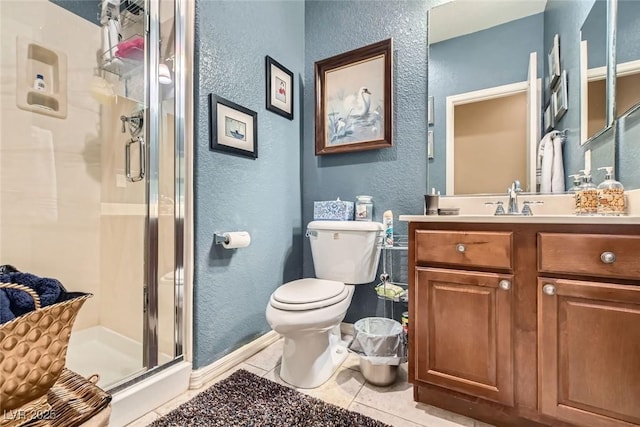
(237, 239)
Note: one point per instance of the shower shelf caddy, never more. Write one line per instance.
(131, 18)
(396, 254)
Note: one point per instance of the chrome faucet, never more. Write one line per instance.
(513, 198)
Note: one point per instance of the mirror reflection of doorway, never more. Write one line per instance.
(490, 144)
(492, 135)
(627, 95)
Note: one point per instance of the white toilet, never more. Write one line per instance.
(308, 312)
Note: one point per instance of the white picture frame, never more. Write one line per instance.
(553, 59)
(559, 99)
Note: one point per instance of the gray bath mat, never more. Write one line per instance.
(245, 399)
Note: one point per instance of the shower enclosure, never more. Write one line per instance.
(92, 171)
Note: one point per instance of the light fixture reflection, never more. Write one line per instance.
(164, 75)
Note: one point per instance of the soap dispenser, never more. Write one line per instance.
(587, 196)
(610, 195)
(576, 183)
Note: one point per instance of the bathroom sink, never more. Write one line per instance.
(540, 204)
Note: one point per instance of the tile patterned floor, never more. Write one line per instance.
(348, 389)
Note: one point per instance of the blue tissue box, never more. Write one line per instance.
(333, 210)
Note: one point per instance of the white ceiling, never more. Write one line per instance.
(459, 17)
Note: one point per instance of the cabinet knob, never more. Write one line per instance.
(608, 257)
(461, 248)
(549, 289)
(505, 284)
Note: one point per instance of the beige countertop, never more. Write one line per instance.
(534, 219)
(555, 209)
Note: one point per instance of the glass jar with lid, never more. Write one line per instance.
(364, 208)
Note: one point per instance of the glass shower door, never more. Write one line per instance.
(124, 192)
(88, 170)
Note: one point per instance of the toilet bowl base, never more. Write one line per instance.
(310, 359)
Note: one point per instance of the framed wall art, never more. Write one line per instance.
(354, 93)
(279, 88)
(559, 97)
(553, 60)
(234, 129)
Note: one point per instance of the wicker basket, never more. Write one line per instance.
(33, 350)
(74, 400)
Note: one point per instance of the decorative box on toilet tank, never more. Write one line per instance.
(333, 210)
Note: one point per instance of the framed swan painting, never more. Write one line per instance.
(233, 128)
(354, 92)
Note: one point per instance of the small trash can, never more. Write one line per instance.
(382, 347)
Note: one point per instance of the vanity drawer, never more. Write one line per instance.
(590, 254)
(464, 248)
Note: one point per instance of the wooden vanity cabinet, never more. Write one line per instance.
(463, 342)
(463, 339)
(589, 346)
(527, 324)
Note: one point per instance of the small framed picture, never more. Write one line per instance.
(279, 88)
(547, 118)
(234, 129)
(554, 61)
(559, 97)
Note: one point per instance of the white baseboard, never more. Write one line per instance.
(146, 395)
(201, 376)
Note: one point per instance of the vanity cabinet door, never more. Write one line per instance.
(463, 332)
(589, 352)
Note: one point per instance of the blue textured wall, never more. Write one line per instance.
(492, 57)
(262, 196)
(594, 31)
(395, 177)
(87, 9)
(629, 157)
(628, 49)
(628, 34)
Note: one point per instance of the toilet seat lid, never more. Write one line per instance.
(304, 291)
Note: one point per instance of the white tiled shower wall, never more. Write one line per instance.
(66, 247)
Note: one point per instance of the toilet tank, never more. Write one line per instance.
(345, 251)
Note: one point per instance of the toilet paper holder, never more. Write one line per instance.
(232, 240)
(220, 238)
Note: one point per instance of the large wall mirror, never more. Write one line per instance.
(488, 45)
(593, 67)
(627, 45)
(593, 73)
(612, 137)
(628, 104)
(485, 64)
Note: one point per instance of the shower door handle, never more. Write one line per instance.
(127, 159)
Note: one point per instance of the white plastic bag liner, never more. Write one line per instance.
(379, 340)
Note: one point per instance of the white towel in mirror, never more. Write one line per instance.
(550, 163)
